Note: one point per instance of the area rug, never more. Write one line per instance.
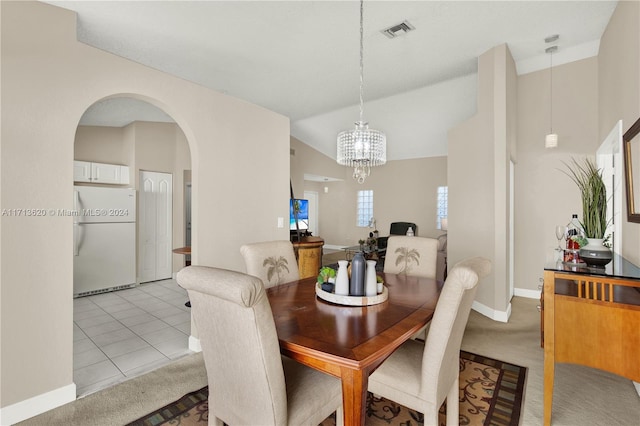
(491, 393)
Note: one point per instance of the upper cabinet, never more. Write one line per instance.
(85, 171)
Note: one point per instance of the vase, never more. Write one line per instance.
(370, 287)
(342, 279)
(595, 254)
(356, 283)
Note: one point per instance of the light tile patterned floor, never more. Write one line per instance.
(126, 333)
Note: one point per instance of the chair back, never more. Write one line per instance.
(414, 256)
(274, 262)
(440, 362)
(240, 346)
(401, 228)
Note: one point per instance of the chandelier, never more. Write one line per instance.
(362, 148)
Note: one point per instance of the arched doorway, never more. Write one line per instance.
(128, 328)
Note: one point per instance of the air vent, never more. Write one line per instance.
(398, 30)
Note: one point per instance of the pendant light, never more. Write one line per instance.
(551, 140)
(362, 147)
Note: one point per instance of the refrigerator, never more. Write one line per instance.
(104, 239)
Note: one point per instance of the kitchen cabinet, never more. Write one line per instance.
(86, 171)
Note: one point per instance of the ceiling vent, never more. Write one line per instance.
(398, 30)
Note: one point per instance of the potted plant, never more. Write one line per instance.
(588, 178)
(325, 278)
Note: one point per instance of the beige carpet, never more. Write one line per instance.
(583, 396)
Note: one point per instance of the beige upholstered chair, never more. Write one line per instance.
(415, 256)
(274, 262)
(421, 376)
(250, 383)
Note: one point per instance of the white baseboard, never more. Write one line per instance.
(529, 294)
(194, 344)
(333, 247)
(31, 407)
(502, 316)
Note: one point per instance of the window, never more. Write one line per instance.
(441, 205)
(365, 207)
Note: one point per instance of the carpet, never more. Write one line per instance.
(491, 393)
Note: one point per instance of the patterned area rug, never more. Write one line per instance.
(491, 393)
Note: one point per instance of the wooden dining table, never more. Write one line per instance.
(350, 342)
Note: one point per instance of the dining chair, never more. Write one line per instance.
(274, 262)
(414, 256)
(420, 375)
(250, 383)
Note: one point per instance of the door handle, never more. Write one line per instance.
(76, 237)
(76, 205)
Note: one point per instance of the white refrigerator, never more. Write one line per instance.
(104, 234)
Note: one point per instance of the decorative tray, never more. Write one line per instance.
(352, 300)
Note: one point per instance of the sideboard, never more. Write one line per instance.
(591, 317)
(309, 254)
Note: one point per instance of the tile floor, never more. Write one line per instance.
(126, 333)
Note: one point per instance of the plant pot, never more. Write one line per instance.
(327, 286)
(595, 254)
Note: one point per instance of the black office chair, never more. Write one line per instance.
(396, 228)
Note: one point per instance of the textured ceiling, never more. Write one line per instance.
(300, 58)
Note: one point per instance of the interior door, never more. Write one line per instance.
(155, 225)
(609, 160)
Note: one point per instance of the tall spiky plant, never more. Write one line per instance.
(594, 196)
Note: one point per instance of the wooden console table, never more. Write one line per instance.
(591, 317)
(309, 254)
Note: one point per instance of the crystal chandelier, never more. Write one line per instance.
(362, 148)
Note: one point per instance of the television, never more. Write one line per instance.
(302, 210)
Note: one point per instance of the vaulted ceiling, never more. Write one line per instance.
(301, 58)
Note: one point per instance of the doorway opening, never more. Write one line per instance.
(123, 333)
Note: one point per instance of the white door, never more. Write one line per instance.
(155, 225)
(609, 159)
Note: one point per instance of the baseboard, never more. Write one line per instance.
(525, 292)
(502, 316)
(333, 247)
(31, 407)
(194, 344)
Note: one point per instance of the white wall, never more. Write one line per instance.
(619, 93)
(48, 81)
(478, 176)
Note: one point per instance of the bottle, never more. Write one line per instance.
(573, 230)
(356, 286)
(410, 232)
(371, 286)
(342, 279)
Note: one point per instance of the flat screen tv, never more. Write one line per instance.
(300, 208)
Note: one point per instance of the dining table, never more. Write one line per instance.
(350, 342)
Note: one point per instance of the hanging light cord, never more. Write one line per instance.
(361, 59)
(551, 90)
